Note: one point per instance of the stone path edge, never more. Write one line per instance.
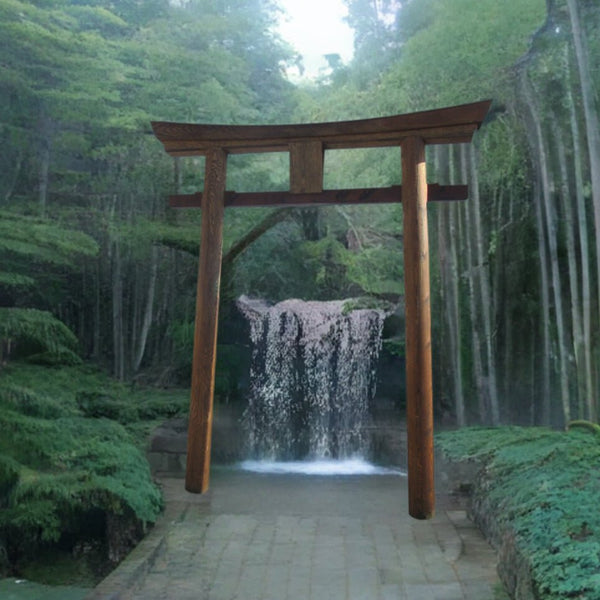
(135, 565)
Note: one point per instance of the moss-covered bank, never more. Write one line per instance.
(535, 495)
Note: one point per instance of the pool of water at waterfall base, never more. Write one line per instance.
(324, 467)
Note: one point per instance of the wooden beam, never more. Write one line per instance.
(205, 332)
(306, 167)
(419, 402)
(455, 124)
(435, 193)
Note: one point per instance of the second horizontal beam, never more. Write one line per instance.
(386, 195)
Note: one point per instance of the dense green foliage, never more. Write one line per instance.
(95, 267)
(85, 233)
(87, 237)
(38, 336)
(68, 469)
(515, 285)
(514, 270)
(541, 487)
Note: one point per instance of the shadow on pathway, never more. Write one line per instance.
(297, 537)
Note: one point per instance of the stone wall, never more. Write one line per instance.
(168, 443)
(513, 567)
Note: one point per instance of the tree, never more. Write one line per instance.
(36, 255)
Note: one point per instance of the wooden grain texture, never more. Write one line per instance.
(448, 125)
(306, 167)
(419, 404)
(388, 195)
(205, 332)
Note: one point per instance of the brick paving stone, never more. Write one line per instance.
(277, 577)
(450, 543)
(362, 582)
(272, 538)
(419, 591)
(328, 584)
(360, 553)
(260, 553)
(252, 582)
(393, 592)
(298, 583)
(328, 554)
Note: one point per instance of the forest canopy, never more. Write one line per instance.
(91, 256)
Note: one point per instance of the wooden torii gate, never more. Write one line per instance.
(306, 144)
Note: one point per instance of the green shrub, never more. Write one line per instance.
(39, 336)
(9, 475)
(99, 404)
(543, 486)
(35, 404)
(71, 472)
(72, 466)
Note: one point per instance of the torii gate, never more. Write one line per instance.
(306, 144)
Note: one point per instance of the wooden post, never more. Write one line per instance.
(205, 332)
(419, 404)
(306, 167)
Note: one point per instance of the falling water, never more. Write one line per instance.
(313, 375)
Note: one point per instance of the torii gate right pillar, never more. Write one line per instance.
(419, 398)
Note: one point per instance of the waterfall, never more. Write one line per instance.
(312, 377)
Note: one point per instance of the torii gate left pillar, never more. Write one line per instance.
(207, 315)
(306, 145)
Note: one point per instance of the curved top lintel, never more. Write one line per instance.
(448, 125)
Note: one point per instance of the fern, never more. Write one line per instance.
(42, 240)
(15, 280)
(29, 402)
(68, 467)
(39, 335)
(9, 475)
(63, 473)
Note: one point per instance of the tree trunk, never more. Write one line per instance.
(117, 312)
(592, 126)
(545, 293)
(449, 283)
(454, 308)
(136, 293)
(147, 321)
(475, 340)
(96, 351)
(447, 258)
(43, 177)
(15, 177)
(117, 296)
(542, 253)
(549, 216)
(582, 230)
(484, 290)
(578, 343)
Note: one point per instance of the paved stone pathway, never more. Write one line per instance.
(283, 537)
